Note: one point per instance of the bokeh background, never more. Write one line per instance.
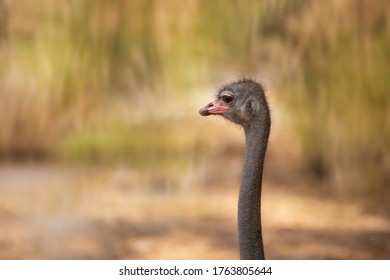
(103, 154)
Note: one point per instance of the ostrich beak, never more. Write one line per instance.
(213, 108)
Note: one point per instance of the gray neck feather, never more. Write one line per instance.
(249, 202)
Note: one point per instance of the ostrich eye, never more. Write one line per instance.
(227, 98)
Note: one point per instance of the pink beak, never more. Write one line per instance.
(213, 108)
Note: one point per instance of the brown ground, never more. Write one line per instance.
(99, 213)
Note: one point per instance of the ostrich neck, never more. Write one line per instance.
(249, 202)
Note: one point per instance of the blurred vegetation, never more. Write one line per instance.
(147, 146)
(341, 93)
(77, 76)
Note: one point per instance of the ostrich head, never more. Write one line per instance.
(241, 102)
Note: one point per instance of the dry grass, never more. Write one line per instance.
(65, 67)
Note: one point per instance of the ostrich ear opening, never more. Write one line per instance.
(250, 107)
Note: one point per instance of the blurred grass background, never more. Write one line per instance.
(80, 79)
(120, 82)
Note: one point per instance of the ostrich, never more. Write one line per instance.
(243, 102)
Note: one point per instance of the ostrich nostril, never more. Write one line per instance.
(204, 110)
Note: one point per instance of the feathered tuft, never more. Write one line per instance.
(242, 80)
